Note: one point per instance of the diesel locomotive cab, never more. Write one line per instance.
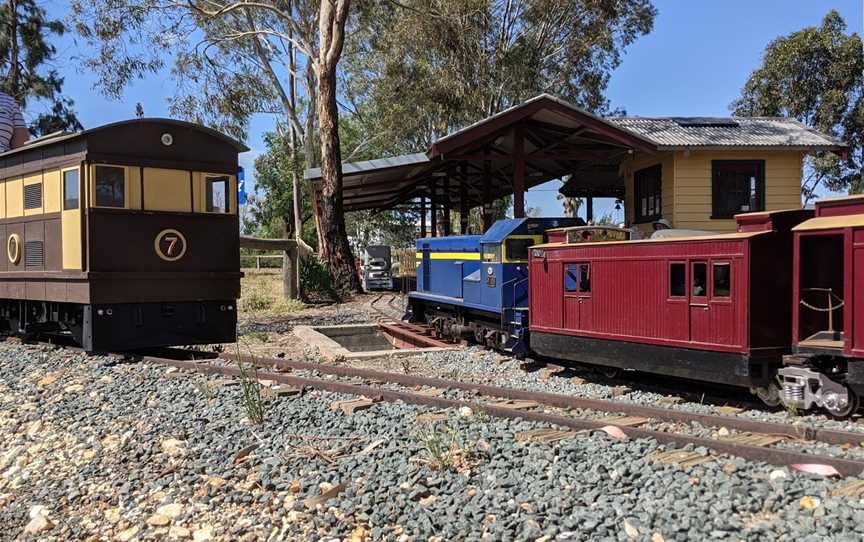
(476, 286)
(124, 236)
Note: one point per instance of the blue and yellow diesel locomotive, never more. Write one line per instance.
(476, 286)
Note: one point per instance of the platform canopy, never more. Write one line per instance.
(542, 139)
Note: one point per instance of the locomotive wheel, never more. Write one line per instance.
(770, 394)
(852, 406)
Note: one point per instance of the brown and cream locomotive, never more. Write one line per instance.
(123, 236)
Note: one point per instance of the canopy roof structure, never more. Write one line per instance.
(548, 138)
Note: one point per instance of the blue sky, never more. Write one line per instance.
(694, 63)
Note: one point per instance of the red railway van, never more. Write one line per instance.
(827, 368)
(713, 308)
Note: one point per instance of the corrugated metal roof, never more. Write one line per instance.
(354, 168)
(726, 132)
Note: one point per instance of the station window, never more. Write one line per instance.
(110, 186)
(517, 249)
(648, 187)
(217, 194)
(677, 280)
(700, 280)
(70, 189)
(577, 277)
(491, 252)
(737, 186)
(722, 280)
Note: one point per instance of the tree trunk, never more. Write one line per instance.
(13, 76)
(309, 155)
(337, 251)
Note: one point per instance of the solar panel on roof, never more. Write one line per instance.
(707, 123)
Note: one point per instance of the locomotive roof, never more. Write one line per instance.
(718, 237)
(831, 223)
(130, 142)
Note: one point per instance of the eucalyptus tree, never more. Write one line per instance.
(232, 60)
(419, 69)
(26, 56)
(816, 75)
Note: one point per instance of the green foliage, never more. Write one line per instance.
(316, 279)
(250, 391)
(817, 76)
(419, 72)
(27, 59)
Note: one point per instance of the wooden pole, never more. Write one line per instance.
(447, 204)
(518, 173)
(463, 199)
(433, 222)
(422, 217)
(589, 208)
(487, 195)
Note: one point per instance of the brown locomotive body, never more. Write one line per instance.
(124, 236)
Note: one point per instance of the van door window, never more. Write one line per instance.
(110, 186)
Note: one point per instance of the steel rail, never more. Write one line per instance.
(828, 436)
(774, 456)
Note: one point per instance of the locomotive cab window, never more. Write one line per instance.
(677, 279)
(491, 252)
(722, 280)
(217, 194)
(110, 186)
(516, 250)
(577, 277)
(70, 189)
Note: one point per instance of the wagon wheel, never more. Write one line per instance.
(853, 403)
(770, 394)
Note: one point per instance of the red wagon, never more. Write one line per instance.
(713, 308)
(827, 367)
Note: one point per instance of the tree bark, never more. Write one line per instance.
(13, 76)
(337, 251)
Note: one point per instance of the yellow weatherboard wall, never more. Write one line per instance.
(167, 190)
(52, 191)
(686, 180)
(14, 197)
(70, 221)
(693, 185)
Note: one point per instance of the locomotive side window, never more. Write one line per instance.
(70, 189)
(577, 277)
(217, 194)
(517, 249)
(677, 279)
(700, 280)
(722, 280)
(110, 186)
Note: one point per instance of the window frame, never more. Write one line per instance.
(578, 285)
(672, 294)
(691, 283)
(125, 171)
(209, 181)
(63, 173)
(717, 191)
(496, 255)
(652, 174)
(714, 265)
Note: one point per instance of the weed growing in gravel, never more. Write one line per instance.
(205, 389)
(444, 450)
(253, 402)
(791, 410)
(260, 336)
(407, 367)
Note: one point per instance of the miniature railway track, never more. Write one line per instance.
(386, 308)
(277, 370)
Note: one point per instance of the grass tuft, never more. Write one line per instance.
(444, 449)
(251, 398)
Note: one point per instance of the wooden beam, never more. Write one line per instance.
(447, 204)
(518, 173)
(422, 216)
(463, 199)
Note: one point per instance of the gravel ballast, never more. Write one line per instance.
(92, 448)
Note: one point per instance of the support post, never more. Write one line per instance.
(487, 195)
(447, 205)
(589, 208)
(422, 217)
(518, 173)
(464, 210)
(434, 206)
